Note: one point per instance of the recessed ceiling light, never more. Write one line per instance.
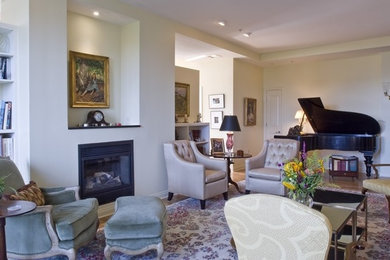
(222, 23)
(248, 34)
(214, 56)
(96, 13)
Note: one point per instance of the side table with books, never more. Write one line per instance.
(341, 165)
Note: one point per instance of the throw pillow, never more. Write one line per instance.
(29, 192)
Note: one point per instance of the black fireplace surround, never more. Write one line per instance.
(106, 170)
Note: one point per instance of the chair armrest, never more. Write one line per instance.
(35, 224)
(208, 162)
(60, 195)
(257, 161)
(375, 167)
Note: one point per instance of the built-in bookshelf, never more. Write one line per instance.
(198, 132)
(7, 90)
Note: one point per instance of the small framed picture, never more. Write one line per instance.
(182, 99)
(217, 146)
(216, 118)
(217, 101)
(249, 111)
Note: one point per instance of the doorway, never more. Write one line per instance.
(273, 105)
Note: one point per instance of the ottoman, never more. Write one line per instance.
(137, 226)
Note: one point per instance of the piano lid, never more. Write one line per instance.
(324, 120)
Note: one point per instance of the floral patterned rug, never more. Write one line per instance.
(193, 233)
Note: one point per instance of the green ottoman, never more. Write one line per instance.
(137, 226)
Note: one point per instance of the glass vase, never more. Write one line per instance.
(303, 198)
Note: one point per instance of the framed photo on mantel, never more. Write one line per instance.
(89, 80)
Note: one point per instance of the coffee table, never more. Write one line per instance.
(229, 157)
(340, 208)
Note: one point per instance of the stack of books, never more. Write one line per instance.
(7, 147)
(5, 115)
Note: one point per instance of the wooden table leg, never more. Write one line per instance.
(3, 248)
(230, 180)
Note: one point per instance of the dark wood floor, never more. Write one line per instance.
(342, 182)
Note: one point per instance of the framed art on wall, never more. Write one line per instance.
(89, 80)
(216, 119)
(250, 111)
(217, 101)
(217, 146)
(182, 99)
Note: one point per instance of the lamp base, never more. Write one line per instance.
(229, 143)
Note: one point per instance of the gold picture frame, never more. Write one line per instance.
(250, 106)
(217, 146)
(89, 80)
(182, 99)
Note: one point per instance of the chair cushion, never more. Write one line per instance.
(136, 217)
(378, 185)
(271, 174)
(72, 218)
(212, 175)
(184, 150)
(29, 192)
(279, 151)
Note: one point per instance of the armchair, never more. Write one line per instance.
(379, 185)
(59, 227)
(262, 172)
(266, 226)
(193, 174)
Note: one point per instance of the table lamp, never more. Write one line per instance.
(230, 123)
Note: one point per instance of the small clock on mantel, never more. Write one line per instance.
(96, 118)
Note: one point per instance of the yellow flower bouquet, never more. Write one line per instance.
(302, 176)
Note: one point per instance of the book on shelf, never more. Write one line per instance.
(7, 147)
(6, 114)
(2, 108)
(4, 68)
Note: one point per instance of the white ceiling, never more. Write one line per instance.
(278, 25)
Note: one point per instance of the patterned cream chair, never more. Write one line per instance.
(267, 226)
(379, 185)
(193, 174)
(262, 172)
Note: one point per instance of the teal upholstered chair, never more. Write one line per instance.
(58, 228)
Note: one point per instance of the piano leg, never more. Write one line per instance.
(368, 163)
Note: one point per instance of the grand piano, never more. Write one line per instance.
(339, 130)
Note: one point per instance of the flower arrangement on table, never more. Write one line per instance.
(302, 176)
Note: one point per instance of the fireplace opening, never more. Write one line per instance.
(106, 170)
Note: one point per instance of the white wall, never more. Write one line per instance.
(247, 84)
(53, 146)
(92, 36)
(350, 84)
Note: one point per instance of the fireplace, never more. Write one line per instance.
(106, 170)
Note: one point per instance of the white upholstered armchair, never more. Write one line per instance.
(193, 174)
(266, 226)
(262, 172)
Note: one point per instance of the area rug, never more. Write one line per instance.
(193, 233)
